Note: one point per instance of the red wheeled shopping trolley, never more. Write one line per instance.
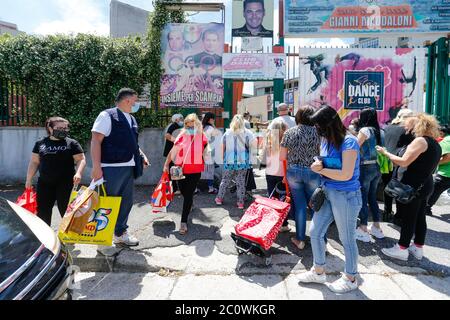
(260, 225)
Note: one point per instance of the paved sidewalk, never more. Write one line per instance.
(204, 264)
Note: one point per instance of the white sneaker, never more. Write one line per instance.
(396, 252)
(363, 236)
(416, 251)
(312, 277)
(126, 240)
(376, 232)
(343, 285)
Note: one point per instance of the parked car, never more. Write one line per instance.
(34, 264)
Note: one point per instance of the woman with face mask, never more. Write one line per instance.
(239, 147)
(187, 153)
(55, 157)
(339, 169)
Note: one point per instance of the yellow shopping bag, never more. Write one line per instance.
(100, 226)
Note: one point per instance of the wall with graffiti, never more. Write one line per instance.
(350, 79)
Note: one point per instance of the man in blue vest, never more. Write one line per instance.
(114, 149)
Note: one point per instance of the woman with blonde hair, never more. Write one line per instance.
(420, 160)
(187, 153)
(271, 151)
(238, 145)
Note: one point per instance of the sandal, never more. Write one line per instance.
(183, 229)
(299, 244)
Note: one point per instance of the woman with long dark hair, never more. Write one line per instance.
(299, 147)
(369, 136)
(339, 168)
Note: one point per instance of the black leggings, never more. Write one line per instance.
(414, 221)
(49, 192)
(187, 188)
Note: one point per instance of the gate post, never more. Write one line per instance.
(431, 74)
(228, 101)
(278, 86)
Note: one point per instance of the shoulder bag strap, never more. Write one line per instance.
(187, 153)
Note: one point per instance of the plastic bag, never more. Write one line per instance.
(28, 201)
(98, 228)
(163, 195)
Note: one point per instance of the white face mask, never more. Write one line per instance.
(136, 107)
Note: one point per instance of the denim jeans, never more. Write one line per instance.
(119, 182)
(302, 182)
(342, 207)
(369, 178)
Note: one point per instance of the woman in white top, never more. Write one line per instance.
(211, 133)
(271, 152)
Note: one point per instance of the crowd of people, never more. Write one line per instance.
(309, 151)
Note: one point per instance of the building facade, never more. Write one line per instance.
(9, 28)
(126, 20)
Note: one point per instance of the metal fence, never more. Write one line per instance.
(14, 107)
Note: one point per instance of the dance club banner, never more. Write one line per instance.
(365, 17)
(350, 79)
(192, 61)
(254, 66)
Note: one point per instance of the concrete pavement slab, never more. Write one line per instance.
(122, 286)
(372, 287)
(423, 287)
(230, 287)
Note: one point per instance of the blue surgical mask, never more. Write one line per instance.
(136, 107)
(190, 131)
(180, 123)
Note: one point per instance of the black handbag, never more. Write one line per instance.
(317, 199)
(401, 192)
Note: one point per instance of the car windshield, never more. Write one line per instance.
(17, 242)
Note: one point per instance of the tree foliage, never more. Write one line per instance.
(76, 77)
(72, 77)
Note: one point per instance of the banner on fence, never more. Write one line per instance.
(365, 17)
(352, 79)
(252, 44)
(192, 62)
(254, 66)
(253, 18)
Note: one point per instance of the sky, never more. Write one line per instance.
(45, 17)
(92, 16)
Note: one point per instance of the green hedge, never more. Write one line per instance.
(72, 77)
(76, 77)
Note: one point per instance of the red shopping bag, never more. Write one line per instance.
(28, 200)
(163, 195)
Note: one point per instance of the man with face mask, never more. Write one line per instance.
(115, 153)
